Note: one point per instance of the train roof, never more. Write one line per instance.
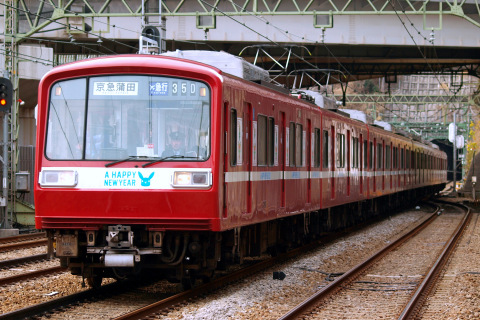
(224, 61)
(215, 63)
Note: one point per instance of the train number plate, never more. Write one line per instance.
(67, 245)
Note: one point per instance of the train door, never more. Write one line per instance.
(414, 164)
(399, 166)
(404, 165)
(235, 194)
(249, 138)
(324, 182)
(392, 166)
(332, 162)
(348, 161)
(383, 163)
(408, 164)
(424, 166)
(308, 159)
(374, 169)
(282, 155)
(229, 115)
(361, 163)
(401, 171)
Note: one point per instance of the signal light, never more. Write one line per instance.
(6, 95)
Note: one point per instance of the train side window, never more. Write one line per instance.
(395, 158)
(365, 154)
(355, 152)
(233, 137)
(340, 147)
(271, 141)
(408, 163)
(262, 140)
(371, 155)
(402, 158)
(387, 157)
(299, 145)
(292, 144)
(379, 156)
(316, 148)
(325, 149)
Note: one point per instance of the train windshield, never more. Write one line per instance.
(121, 116)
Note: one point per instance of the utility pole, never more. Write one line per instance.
(10, 120)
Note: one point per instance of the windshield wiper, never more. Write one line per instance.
(167, 158)
(118, 161)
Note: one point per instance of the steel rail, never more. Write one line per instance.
(115, 288)
(23, 245)
(23, 237)
(62, 302)
(313, 300)
(160, 306)
(24, 260)
(420, 295)
(31, 275)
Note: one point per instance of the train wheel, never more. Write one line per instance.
(188, 280)
(95, 281)
(208, 276)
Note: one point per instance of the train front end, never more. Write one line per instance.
(126, 170)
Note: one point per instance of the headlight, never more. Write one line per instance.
(58, 178)
(191, 179)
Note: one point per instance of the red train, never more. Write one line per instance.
(165, 165)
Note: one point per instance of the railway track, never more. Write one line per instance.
(62, 302)
(114, 289)
(19, 261)
(160, 307)
(22, 237)
(173, 299)
(341, 293)
(163, 307)
(30, 240)
(31, 275)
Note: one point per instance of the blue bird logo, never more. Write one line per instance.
(146, 181)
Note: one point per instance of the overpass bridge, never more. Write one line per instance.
(299, 41)
(361, 38)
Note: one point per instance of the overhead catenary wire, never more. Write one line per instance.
(448, 93)
(261, 18)
(291, 34)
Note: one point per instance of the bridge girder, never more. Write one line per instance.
(33, 10)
